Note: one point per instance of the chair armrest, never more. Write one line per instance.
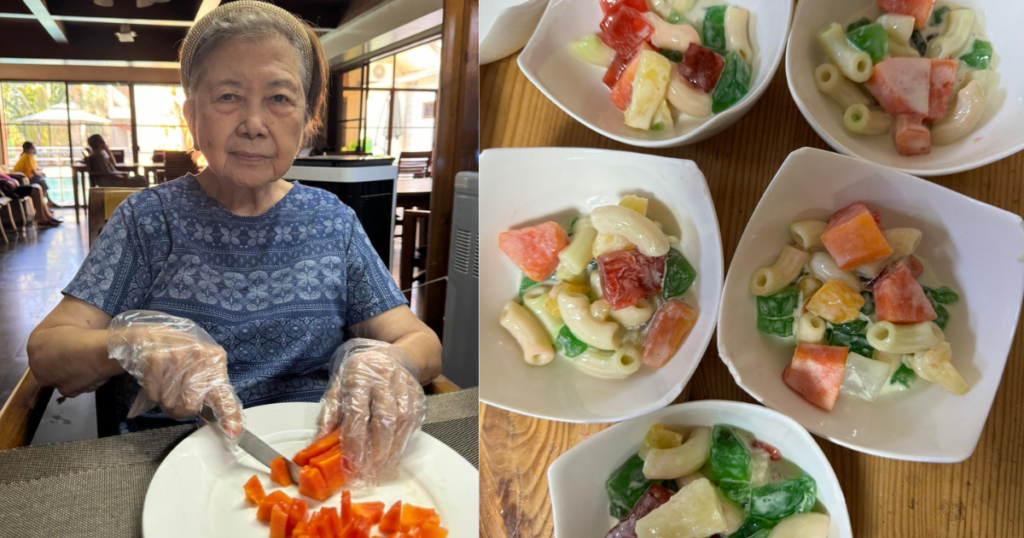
(440, 385)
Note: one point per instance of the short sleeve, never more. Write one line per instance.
(115, 276)
(371, 289)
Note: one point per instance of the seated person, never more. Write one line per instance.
(103, 170)
(27, 165)
(13, 186)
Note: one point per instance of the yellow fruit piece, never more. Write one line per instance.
(836, 302)
(809, 285)
(658, 437)
(649, 89)
(636, 203)
(610, 243)
(694, 512)
(934, 366)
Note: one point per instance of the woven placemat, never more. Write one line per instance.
(96, 488)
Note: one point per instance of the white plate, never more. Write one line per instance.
(974, 248)
(506, 25)
(576, 479)
(530, 186)
(998, 135)
(197, 491)
(576, 86)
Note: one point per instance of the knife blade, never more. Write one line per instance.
(254, 446)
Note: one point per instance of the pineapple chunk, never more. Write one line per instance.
(694, 512)
(809, 525)
(610, 243)
(733, 512)
(809, 285)
(894, 360)
(662, 118)
(658, 437)
(836, 302)
(636, 203)
(934, 366)
(649, 89)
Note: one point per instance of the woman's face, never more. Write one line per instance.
(249, 110)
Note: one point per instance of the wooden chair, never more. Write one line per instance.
(414, 164)
(176, 164)
(21, 415)
(414, 230)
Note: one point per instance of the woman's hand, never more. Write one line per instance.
(375, 398)
(178, 365)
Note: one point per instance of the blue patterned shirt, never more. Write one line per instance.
(274, 290)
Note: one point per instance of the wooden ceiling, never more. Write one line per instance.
(32, 29)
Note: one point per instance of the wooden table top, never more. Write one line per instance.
(980, 497)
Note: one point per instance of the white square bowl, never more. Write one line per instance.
(576, 479)
(576, 86)
(999, 133)
(523, 187)
(506, 25)
(974, 248)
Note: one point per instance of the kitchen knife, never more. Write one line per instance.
(254, 446)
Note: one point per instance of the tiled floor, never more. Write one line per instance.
(33, 270)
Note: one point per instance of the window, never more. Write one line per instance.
(388, 105)
(159, 120)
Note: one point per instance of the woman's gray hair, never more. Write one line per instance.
(255, 21)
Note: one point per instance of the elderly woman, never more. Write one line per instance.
(234, 287)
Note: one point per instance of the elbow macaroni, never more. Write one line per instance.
(667, 36)
(575, 257)
(959, 24)
(638, 229)
(855, 64)
(600, 310)
(769, 280)
(690, 101)
(898, 27)
(807, 233)
(736, 21)
(595, 284)
(575, 309)
(862, 120)
(616, 364)
(633, 316)
(824, 268)
(832, 83)
(910, 338)
(537, 348)
(810, 328)
(535, 300)
(970, 104)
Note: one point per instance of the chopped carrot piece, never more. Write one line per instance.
(279, 472)
(254, 490)
(414, 516)
(921, 10)
(330, 465)
(370, 511)
(390, 522)
(911, 137)
(535, 249)
(269, 502)
(902, 86)
(853, 238)
(278, 522)
(816, 372)
(312, 484)
(318, 447)
(900, 299)
(943, 79)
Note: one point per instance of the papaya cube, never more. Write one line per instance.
(270, 501)
(902, 86)
(816, 372)
(312, 484)
(330, 465)
(414, 517)
(853, 238)
(279, 472)
(673, 322)
(943, 79)
(921, 10)
(370, 511)
(432, 530)
(391, 520)
(836, 302)
(254, 490)
(900, 299)
(278, 522)
(622, 90)
(318, 447)
(535, 249)
(296, 516)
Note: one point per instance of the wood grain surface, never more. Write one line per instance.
(981, 497)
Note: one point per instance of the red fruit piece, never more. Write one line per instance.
(625, 30)
(701, 67)
(921, 10)
(535, 249)
(853, 238)
(900, 299)
(902, 86)
(611, 6)
(916, 268)
(942, 81)
(673, 322)
(628, 276)
(622, 92)
(911, 137)
(774, 454)
(615, 70)
(816, 372)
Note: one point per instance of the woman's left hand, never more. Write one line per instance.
(375, 398)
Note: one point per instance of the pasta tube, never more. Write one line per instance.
(960, 23)
(574, 258)
(862, 120)
(633, 316)
(687, 458)
(910, 338)
(688, 100)
(575, 310)
(852, 62)
(898, 27)
(736, 37)
(807, 233)
(617, 364)
(537, 348)
(810, 328)
(988, 79)
(600, 310)
(667, 36)
(830, 82)
(824, 268)
(666, 7)
(769, 280)
(902, 241)
(638, 229)
(595, 284)
(970, 103)
(902, 50)
(535, 300)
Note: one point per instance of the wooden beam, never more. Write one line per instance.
(24, 409)
(457, 140)
(53, 27)
(103, 20)
(81, 73)
(206, 7)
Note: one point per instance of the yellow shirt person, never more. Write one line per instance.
(26, 165)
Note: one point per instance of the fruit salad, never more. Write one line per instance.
(920, 71)
(668, 61)
(712, 481)
(866, 316)
(604, 292)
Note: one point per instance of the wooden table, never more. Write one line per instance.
(981, 497)
(414, 193)
(83, 169)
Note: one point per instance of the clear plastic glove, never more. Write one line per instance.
(375, 397)
(178, 365)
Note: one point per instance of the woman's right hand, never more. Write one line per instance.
(178, 365)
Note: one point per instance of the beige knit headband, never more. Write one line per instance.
(197, 34)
